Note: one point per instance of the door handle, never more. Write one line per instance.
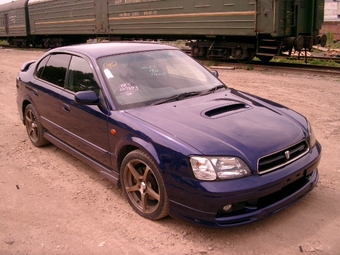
(66, 108)
(35, 92)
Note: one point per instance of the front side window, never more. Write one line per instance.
(55, 69)
(81, 77)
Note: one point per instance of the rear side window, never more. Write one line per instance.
(55, 69)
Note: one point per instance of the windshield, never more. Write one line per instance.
(143, 78)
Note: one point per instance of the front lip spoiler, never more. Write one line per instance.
(273, 208)
(230, 221)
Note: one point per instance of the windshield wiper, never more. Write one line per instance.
(213, 90)
(177, 97)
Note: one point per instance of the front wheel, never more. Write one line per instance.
(35, 130)
(143, 186)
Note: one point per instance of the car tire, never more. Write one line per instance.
(35, 130)
(143, 186)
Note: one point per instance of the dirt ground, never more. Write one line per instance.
(51, 203)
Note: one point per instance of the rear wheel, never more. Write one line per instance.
(143, 186)
(35, 130)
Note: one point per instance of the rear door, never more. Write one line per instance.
(47, 88)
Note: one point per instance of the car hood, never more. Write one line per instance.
(225, 124)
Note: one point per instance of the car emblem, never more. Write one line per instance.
(287, 154)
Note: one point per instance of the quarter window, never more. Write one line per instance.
(41, 66)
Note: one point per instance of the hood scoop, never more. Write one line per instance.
(229, 108)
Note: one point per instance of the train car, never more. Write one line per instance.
(263, 28)
(215, 28)
(218, 29)
(13, 20)
(55, 23)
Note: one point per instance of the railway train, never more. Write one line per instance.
(219, 29)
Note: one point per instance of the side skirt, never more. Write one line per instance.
(109, 174)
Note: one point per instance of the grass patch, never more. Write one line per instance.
(315, 62)
(288, 60)
(208, 63)
(250, 67)
(331, 44)
(319, 62)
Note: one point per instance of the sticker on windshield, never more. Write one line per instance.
(108, 74)
(107, 66)
(110, 64)
(153, 70)
(127, 89)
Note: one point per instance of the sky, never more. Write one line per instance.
(5, 1)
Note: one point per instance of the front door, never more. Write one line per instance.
(84, 127)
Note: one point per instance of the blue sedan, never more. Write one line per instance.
(168, 132)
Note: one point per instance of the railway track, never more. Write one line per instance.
(257, 65)
(302, 58)
(299, 67)
(228, 64)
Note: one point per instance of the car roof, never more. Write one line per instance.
(96, 50)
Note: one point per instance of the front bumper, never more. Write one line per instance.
(257, 196)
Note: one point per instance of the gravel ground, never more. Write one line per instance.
(51, 203)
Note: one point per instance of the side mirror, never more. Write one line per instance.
(215, 73)
(88, 97)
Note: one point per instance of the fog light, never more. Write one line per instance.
(228, 208)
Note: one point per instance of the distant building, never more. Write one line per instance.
(332, 10)
(332, 19)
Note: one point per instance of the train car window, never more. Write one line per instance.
(81, 77)
(55, 69)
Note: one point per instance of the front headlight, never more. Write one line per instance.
(222, 168)
(311, 136)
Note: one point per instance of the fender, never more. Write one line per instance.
(136, 142)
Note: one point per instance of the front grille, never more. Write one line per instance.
(281, 158)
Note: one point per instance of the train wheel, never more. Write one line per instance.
(323, 40)
(265, 59)
(247, 57)
(195, 51)
(199, 52)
